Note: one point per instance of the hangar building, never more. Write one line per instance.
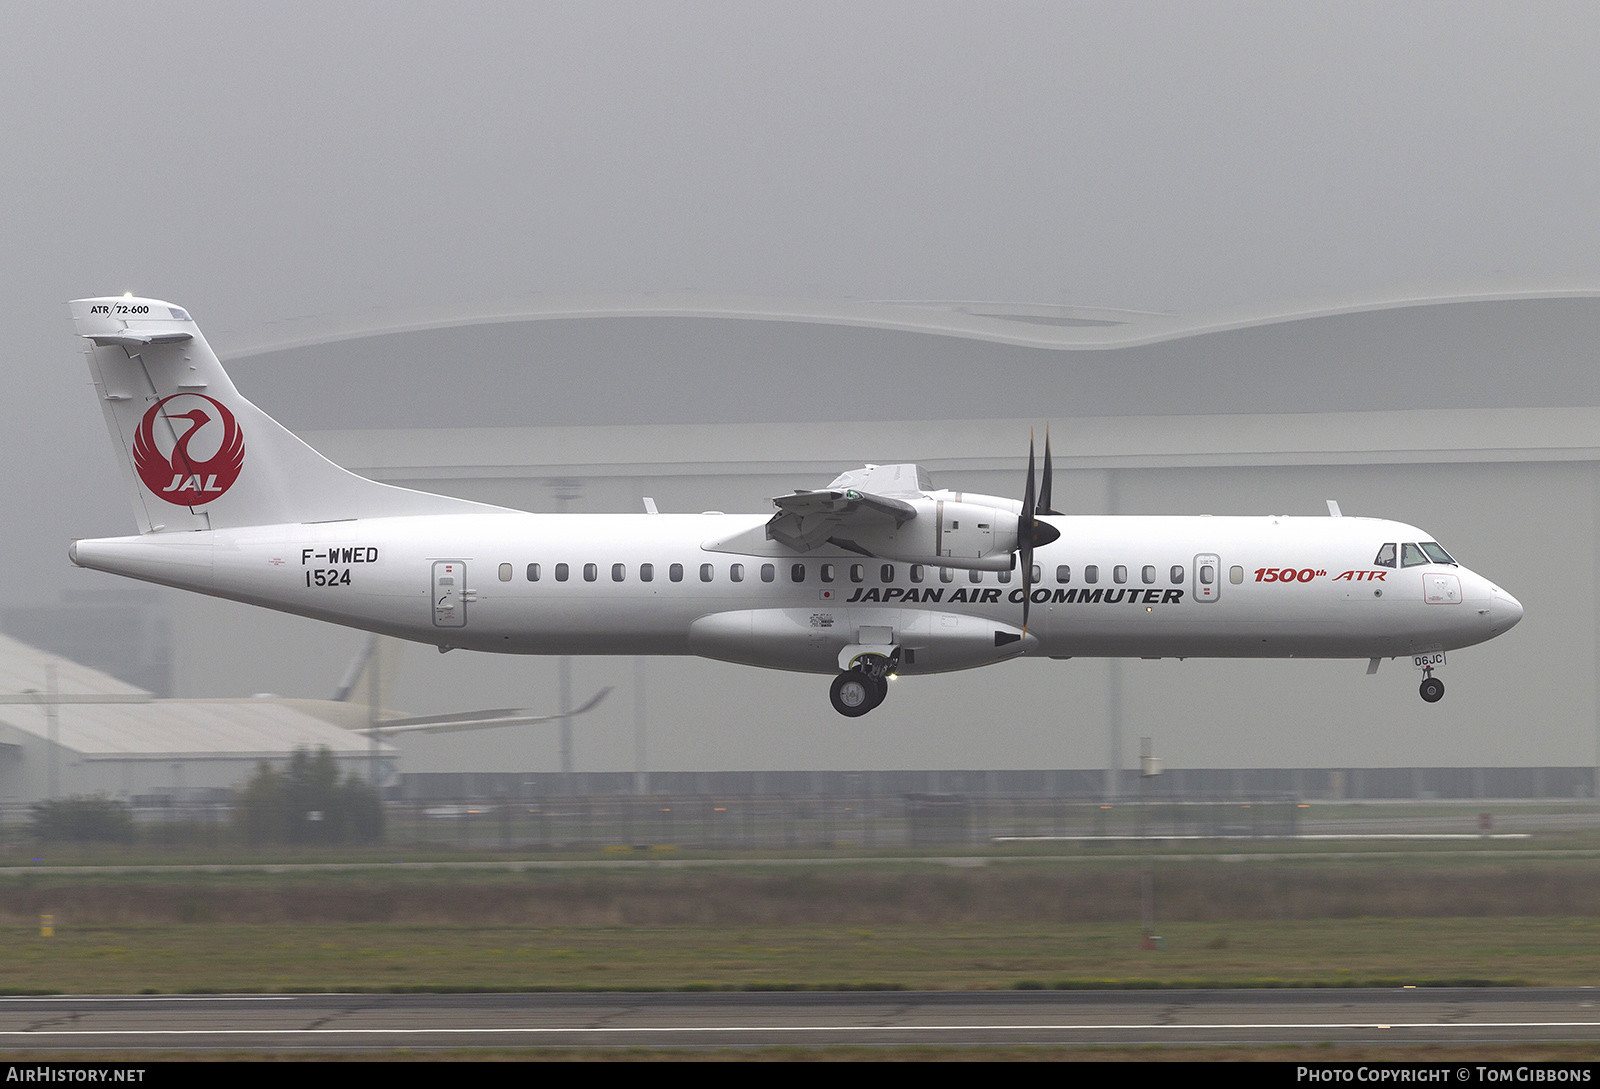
(69, 730)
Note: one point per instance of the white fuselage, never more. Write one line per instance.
(1280, 587)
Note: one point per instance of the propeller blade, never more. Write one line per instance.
(1044, 484)
(1032, 533)
(1027, 496)
(1027, 583)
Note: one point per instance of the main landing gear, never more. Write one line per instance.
(1432, 688)
(861, 688)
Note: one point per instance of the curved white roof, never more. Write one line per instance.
(699, 360)
(1032, 325)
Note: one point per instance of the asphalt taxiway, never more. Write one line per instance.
(806, 1018)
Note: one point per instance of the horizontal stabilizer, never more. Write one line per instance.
(131, 339)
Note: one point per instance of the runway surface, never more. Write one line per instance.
(810, 1019)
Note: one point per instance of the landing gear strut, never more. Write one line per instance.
(858, 690)
(1432, 688)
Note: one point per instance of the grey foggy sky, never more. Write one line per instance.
(271, 160)
(259, 163)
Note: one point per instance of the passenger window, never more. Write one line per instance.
(505, 572)
(974, 576)
(768, 572)
(887, 572)
(561, 572)
(916, 572)
(1091, 574)
(533, 572)
(675, 572)
(1119, 574)
(1063, 573)
(705, 572)
(619, 572)
(736, 572)
(1412, 556)
(1004, 576)
(1236, 574)
(946, 575)
(591, 571)
(647, 572)
(1176, 574)
(1035, 575)
(858, 572)
(1148, 574)
(797, 573)
(1385, 556)
(826, 575)
(1208, 574)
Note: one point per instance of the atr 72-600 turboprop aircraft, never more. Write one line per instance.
(876, 575)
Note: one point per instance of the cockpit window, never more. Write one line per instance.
(1385, 556)
(1412, 556)
(1437, 554)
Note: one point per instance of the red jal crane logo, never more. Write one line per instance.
(183, 478)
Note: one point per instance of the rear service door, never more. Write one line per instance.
(449, 588)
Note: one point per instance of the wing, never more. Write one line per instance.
(474, 720)
(846, 508)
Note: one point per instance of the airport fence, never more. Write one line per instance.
(655, 823)
(641, 824)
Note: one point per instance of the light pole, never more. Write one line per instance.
(1149, 768)
(641, 769)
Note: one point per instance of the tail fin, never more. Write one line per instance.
(196, 454)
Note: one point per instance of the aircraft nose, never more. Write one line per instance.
(1504, 610)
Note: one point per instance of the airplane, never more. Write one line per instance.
(877, 575)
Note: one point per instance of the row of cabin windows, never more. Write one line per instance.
(828, 572)
(1119, 574)
(647, 572)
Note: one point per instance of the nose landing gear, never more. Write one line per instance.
(1432, 688)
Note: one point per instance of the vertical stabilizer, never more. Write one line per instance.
(197, 455)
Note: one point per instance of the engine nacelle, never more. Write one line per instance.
(976, 532)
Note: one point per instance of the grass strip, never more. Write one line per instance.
(368, 957)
